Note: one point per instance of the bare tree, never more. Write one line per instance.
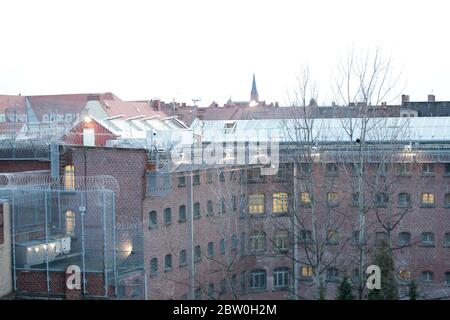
(314, 218)
(363, 84)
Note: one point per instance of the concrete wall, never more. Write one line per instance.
(5, 252)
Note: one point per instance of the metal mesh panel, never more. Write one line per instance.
(54, 228)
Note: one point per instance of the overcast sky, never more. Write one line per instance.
(210, 49)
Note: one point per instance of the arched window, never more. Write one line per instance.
(168, 262)
(256, 203)
(197, 210)
(152, 220)
(281, 277)
(183, 258)
(222, 246)
(332, 199)
(427, 199)
(405, 275)
(258, 242)
(427, 276)
(404, 238)
(257, 279)
(447, 200)
(167, 216)
(404, 199)
(332, 274)
(234, 242)
(281, 241)
(427, 238)
(182, 213)
(154, 267)
(280, 202)
(70, 222)
(305, 199)
(197, 254)
(447, 239)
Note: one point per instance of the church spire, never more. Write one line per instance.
(254, 93)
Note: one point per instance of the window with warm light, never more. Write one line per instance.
(332, 198)
(306, 272)
(256, 203)
(70, 222)
(427, 199)
(405, 275)
(280, 202)
(69, 177)
(305, 199)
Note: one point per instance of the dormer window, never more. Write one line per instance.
(230, 127)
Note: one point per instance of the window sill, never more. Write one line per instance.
(404, 175)
(427, 174)
(168, 224)
(255, 290)
(183, 265)
(406, 205)
(182, 221)
(167, 270)
(305, 206)
(426, 245)
(306, 279)
(259, 253)
(280, 214)
(257, 215)
(181, 186)
(152, 228)
(281, 288)
(381, 205)
(427, 206)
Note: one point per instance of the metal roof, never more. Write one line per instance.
(414, 129)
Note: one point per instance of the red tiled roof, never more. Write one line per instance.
(8, 127)
(65, 103)
(7, 101)
(130, 109)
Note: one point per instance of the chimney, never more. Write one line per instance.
(431, 98)
(157, 105)
(405, 98)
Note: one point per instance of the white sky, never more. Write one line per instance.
(209, 49)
